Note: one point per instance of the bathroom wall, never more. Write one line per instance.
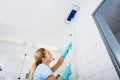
(90, 58)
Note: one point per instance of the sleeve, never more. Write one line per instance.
(46, 72)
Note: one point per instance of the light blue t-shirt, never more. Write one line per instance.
(42, 72)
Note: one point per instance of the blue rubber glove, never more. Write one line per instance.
(66, 51)
(67, 73)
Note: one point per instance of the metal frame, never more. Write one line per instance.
(111, 43)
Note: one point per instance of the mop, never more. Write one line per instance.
(68, 72)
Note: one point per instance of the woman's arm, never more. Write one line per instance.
(61, 59)
(51, 78)
(58, 64)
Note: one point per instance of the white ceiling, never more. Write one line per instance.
(39, 21)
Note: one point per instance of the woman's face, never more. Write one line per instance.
(48, 56)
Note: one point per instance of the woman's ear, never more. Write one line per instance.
(43, 59)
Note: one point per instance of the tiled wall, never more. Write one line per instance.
(13, 61)
(92, 61)
(92, 66)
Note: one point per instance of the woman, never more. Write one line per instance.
(40, 70)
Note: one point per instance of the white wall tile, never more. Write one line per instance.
(105, 62)
(89, 78)
(91, 56)
(11, 59)
(110, 74)
(94, 67)
(80, 73)
(94, 35)
(84, 60)
(86, 71)
(100, 49)
(98, 76)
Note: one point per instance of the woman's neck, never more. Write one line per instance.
(46, 63)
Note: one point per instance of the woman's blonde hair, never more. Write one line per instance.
(39, 54)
